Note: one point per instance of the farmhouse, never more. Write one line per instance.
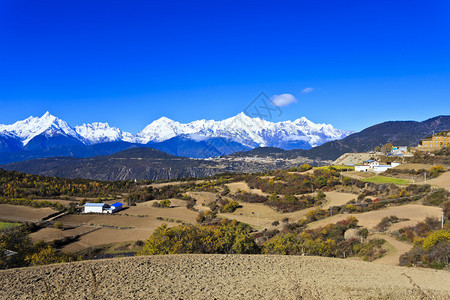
(102, 208)
(115, 207)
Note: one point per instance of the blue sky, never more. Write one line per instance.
(130, 62)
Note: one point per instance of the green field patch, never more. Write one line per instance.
(384, 179)
(5, 225)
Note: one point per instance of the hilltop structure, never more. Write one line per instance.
(441, 139)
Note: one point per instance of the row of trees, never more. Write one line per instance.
(228, 237)
(21, 185)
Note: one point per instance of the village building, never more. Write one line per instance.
(438, 140)
(374, 166)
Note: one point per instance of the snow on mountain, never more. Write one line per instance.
(47, 125)
(242, 129)
(251, 132)
(98, 132)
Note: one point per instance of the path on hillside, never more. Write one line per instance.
(393, 255)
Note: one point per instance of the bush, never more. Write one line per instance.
(440, 236)
(437, 170)
(230, 207)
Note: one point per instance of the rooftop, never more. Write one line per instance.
(95, 204)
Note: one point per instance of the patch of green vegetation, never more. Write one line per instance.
(5, 225)
(384, 179)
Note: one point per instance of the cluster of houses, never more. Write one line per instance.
(398, 151)
(102, 208)
(374, 166)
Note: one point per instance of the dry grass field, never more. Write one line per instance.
(23, 213)
(414, 212)
(443, 181)
(224, 277)
(243, 186)
(49, 234)
(338, 198)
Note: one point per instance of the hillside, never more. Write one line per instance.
(134, 163)
(224, 277)
(401, 133)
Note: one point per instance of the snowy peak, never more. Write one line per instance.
(31, 127)
(242, 129)
(99, 132)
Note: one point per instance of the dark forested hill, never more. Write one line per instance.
(135, 163)
(399, 133)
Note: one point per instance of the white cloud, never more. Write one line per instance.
(307, 90)
(283, 99)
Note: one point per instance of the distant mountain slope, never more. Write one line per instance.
(135, 163)
(400, 133)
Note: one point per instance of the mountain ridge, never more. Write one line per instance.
(250, 132)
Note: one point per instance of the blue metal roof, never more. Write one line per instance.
(95, 204)
(117, 204)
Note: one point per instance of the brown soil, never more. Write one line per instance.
(23, 213)
(223, 277)
(51, 234)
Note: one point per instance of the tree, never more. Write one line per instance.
(286, 244)
(387, 148)
(377, 149)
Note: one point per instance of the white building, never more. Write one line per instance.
(381, 168)
(96, 208)
(362, 168)
(102, 208)
(374, 166)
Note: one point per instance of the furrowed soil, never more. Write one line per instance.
(223, 277)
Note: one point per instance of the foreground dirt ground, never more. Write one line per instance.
(223, 277)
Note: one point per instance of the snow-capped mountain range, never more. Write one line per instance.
(49, 131)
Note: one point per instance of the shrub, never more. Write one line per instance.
(230, 207)
(440, 236)
(436, 170)
(165, 203)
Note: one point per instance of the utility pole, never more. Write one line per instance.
(442, 222)
(425, 176)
